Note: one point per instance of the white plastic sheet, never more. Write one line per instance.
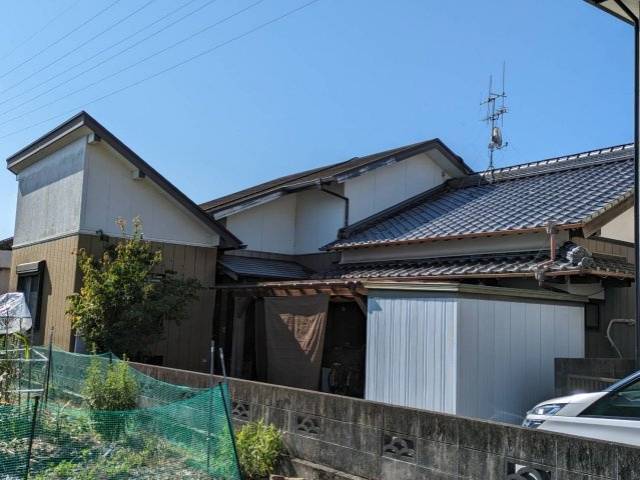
(14, 313)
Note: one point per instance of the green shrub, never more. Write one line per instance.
(259, 449)
(110, 389)
(109, 392)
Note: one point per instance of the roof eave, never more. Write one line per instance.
(294, 186)
(497, 233)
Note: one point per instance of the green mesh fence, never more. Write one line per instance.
(175, 432)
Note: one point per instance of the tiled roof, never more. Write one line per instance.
(331, 172)
(569, 191)
(515, 264)
(263, 267)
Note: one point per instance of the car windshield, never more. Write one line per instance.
(625, 380)
(623, 402)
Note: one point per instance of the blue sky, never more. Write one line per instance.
(338, 79)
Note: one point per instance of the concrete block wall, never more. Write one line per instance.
(329, 436)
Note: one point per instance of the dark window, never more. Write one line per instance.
(621, 403)
(30, 283)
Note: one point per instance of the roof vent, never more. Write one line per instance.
(138, 174)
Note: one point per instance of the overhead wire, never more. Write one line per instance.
(107, 59)
(78, 47)
(168, 69)
(39, 31)
(66, 35)
(134, 64)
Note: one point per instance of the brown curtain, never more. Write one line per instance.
(294, 334)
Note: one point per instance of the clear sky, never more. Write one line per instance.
(337, 79)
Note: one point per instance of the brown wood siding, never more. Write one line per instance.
(60, 281)
(185, 345)
(619, 302)
(596, 245)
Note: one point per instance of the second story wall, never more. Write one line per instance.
(387, 186)
(319, 216)
(620, 228)
(301, 223)
(269, 227)
(111, 191)
(50, 195)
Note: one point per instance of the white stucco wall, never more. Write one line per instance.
(111, 192)
(301, 223)
(620, 228)
(389, 185)
(319, 216)
(50, 195)
(269, 227)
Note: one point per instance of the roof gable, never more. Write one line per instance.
(570, 191)
(83, 124)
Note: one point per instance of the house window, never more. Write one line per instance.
(30, 277)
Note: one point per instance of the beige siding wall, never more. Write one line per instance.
(185, 345)
(60, 280)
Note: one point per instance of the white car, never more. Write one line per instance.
(612, 415)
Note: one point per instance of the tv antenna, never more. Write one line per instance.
(494, 118)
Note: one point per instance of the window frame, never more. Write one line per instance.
(33, 270)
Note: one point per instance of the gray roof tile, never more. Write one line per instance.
(567, 191)
(263, 267)
(476, 266)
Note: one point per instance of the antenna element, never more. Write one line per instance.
(494, 117)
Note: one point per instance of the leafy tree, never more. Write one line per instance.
(123, 304)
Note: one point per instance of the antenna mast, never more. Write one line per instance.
(494, 117)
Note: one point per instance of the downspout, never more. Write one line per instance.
(343, 198)
(542, 267)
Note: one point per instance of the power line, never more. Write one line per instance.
(101, 52)
(168, 69)
(132, 65)
(75, 49)
(66, 35)
(37, 32)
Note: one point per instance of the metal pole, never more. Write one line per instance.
(47, 374)
(636, 199)
(34, 418)
(230, 424)
(212, 355)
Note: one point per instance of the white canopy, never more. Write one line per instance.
(14, 313)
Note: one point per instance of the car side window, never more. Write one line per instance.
(622, 403)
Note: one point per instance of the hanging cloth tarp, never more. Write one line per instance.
(14, 313)
(294, 331)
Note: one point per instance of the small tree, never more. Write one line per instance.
(122, 304)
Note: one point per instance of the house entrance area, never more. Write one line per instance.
(298, 334)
